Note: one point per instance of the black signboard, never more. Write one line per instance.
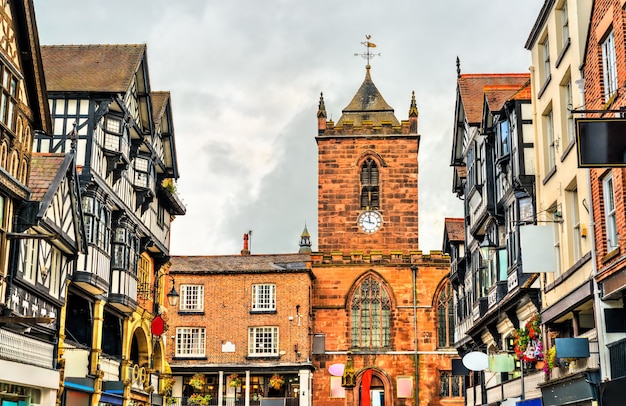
(601, 142)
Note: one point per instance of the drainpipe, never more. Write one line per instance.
(414, 269)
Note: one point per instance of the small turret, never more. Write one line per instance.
(305, 242)
(413, 114)
(321, 115)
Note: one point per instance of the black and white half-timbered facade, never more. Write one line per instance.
(493, 161)
(100, 100)
(40, 236)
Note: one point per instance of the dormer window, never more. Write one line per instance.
(144, 173)
(116, 137)
(504, 138)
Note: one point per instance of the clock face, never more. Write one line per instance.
(370, 221)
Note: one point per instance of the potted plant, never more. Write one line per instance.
(233, 380)
(197, 381)
(199, 399)
(276, 381)
(167, 383)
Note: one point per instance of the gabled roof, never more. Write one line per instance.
(368, 104)
(472, 87)
(454, 229)
(91, 68)
(159, 105)
(496, 96)
(241, 263)
(43, 170)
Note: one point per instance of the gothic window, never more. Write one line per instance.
(445, 316)
(370, 194)
(370, 314)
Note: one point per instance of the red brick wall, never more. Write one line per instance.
(227, 303)
(335, 279)
(606, 15)
(339, 190)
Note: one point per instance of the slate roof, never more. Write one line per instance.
(455, 229)
(472, 90)
(91, 68)
(241, 263)
(43, 169)
(368, 104)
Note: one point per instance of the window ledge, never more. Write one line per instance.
(549, 175)
(567, 149)
(544, 86)
(263, 311)
(559, 59)
(191, 312)
(183, 358)
(610, 255)
(263, 357)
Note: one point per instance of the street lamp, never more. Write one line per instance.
(173, 296)
(487, 249)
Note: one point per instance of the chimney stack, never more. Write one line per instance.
(245, 250)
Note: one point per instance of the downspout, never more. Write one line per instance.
(414, 269)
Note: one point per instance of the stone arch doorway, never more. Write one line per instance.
(374, 388)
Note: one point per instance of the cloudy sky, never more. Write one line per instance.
(245, 78)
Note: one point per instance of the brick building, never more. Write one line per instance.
(604, 73)
(241, 320)
(380, 306)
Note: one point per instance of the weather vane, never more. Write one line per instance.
(368, 54)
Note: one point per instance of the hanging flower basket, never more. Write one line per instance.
(277, 381)
(197, 381)
(167, 383)
(234, 380)
(199, 399)
(527, 341)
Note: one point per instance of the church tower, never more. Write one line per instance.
(375, 296)
(367, 166)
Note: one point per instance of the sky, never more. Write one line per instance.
(245, 78)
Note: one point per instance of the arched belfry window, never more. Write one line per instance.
(370, 308)
(445, 316)
(370, 195)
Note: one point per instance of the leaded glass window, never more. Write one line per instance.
(371, 313)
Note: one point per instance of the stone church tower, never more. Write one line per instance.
(381, 310)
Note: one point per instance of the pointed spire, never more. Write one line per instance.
(413, 112)
(305, 241)
(321, 109)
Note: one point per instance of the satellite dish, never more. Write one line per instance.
(336, 369)
(476, 361)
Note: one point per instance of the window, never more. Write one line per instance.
(54, 273)
(191, 298)
(124, 246)
(609, 67)
(190, 342)
(504, 137)
(564, 25)
(569, 116)
(574, 224)
(550, 142)
(445, 316)
(371, 313)
(545, 52)
(30, 249)
(8, 98)
(263, 341)
(96, 218)
(263, 297)
(451, 385)
(369, 185)
(144, 289)
(144, 173)
(557, 240)
(609, 212)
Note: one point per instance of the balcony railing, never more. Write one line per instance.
(226, 401)
(26, 350)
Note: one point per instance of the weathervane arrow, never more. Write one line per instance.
(368, 55)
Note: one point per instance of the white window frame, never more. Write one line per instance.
(609, 66)
(263, 341)
(545, 49)
(264, 297)
(610, 222)
(191, 298)
(564, 24)
(190, 342)
(570, 130)
(575, 224)
(550, 142)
